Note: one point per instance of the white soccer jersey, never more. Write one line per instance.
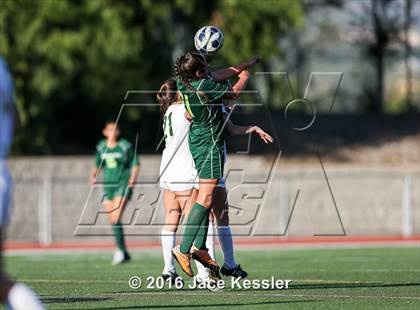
(177, 170)
(6, 128)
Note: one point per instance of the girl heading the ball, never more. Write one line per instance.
(201, 95)
(178, 181)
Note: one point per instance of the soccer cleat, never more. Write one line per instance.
(172, 277)
(184, 260)
(204, 258)
(236, 272)
(203, 280)
(120, 257)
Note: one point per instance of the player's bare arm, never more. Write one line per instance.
(233, 71)
(236, 130)
(239, 86)
(135, 170)
(93, 175)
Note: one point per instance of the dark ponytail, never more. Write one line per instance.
(186, 67)
(167, 95)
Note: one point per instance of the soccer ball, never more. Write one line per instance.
(208, 39)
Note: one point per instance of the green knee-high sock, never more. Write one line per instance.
(196, 216)
(119, 236)
(200, 240)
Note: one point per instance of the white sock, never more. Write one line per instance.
(201, 270)
(210, 240)
(225, 239)
(21, 297)
(168, 243)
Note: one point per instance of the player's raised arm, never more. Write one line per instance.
(263, 135)
(233, 71)
(236, 130)
(239, 86)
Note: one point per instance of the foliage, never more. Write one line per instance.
(73, 61)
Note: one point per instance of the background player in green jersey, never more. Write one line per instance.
(202, 98)
(120, 166)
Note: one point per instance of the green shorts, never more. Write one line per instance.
(112, 191)
(209, 164)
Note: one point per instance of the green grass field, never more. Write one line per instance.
(362, 278)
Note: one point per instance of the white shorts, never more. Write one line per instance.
(5, 193)
(177, 187)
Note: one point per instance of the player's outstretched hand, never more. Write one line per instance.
(253, 60)
(263, 135)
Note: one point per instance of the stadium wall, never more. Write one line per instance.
(52, 201)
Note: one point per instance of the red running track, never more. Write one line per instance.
(239, 242)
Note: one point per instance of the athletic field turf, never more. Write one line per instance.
(349, 278)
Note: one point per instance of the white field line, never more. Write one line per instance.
(239, 247)
(384, 270)
(70, 281)
(294, 295)
(230, 293)
(126, 281)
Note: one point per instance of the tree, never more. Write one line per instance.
(70, 60)
(379, 24)
(256, 27)
(73, 61)
(407, 54)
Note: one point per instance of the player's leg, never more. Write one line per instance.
(201, 270)
(210, 237)
(200, 250)
(186, 200)
(196, 227)
(195, 234)
(173, 214)
(199, 212)
(113, 216)
(118, 254)
(115, 207)
(5, 286)
(16, 296)
(5, 283)
(221, 212)
(203, 273)
(177, 203)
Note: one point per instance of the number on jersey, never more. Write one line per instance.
(167, 126)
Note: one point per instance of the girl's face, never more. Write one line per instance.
(111, 132)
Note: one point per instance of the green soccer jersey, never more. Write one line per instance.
(206, 136)
(116, 162)
(204, 106)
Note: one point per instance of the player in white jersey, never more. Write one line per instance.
(16, 295)
(177, 171)
(178, 178)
